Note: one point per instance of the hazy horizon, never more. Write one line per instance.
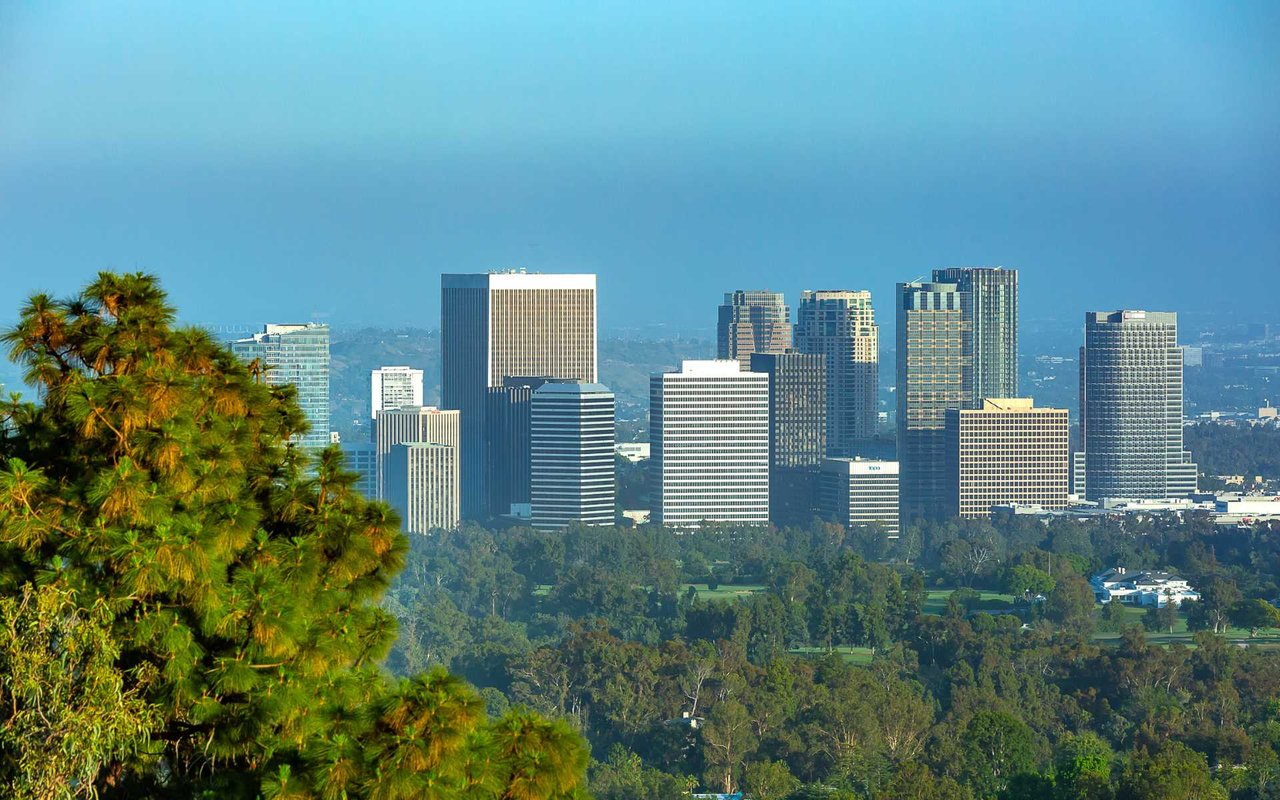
(282, 163)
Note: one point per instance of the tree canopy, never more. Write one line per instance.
(217, 586)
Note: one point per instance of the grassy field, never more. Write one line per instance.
(852, 655)
(935, 602)
(724, 591)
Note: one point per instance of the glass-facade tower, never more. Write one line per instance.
(752, 322)
(296, 354)
(841, 326)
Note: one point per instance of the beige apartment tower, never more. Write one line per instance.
(506, 324)
(1007, 451)
(752, 322)
(841, 326)
(395, 426)
(422, 484)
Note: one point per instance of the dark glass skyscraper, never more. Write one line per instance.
(752, 322)
(507, 443)
(797, 432)
(1131, 407)
(931, 369)
(989, 300)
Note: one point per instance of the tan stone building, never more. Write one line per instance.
(1007, 451)
(395, 426)
(421, 483)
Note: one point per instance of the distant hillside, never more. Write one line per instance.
(625, 366)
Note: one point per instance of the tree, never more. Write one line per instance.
(1174, 772)
(1071, 604)
(1161, 618)
(727, 740)
(768, 780)
(1025, 580)
(238, 578)
(1082, 768)
(996, 746)
(1254, 615)
(64, 710)
(1213, 610)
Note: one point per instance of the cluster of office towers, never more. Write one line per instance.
(773, 430)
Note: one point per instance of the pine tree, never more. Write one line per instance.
(237, 579)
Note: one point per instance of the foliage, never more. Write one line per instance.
(229, 581)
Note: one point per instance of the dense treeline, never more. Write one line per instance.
(1247, 450)
(676, 686)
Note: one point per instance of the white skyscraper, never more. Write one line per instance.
(393, 387)
(709, 434)
(571, 454)
(411, 424)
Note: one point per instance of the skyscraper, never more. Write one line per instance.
(841, 326)
(797, 431)
(507, 444)
(931, 369)
(411, 424)
(299, 355)
(752, 322)
(1131, 407)
(571, 471)
(421, 483)
(504, 324)
(989, 299)
(393, 387)
(709, 439)
(957, 343)
(1007, 451)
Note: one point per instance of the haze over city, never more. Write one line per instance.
(276, 162)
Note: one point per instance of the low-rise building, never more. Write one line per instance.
(1142, 588)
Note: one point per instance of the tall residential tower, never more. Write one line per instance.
(299, 355)
(841, 326)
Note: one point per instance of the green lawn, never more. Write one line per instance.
(724, 591)
(860, 656)
(935, 601)
(1134, 616)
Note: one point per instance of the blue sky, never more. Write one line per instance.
(295, 160)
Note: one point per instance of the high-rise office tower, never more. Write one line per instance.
(422, 484)
(841, 325)
(503, 324)
(1007, 451)
(931, 369)
(989, 299)
(752, 322)
(362, 459)
(507, 445)
(855, 493)
(709, 440)
(571, 471)
(298, 355)
(1131, 407)
(393, 387)
(797, 432)
(395, 426)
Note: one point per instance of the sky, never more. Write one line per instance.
(289, 161)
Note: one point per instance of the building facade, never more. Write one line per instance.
(931, 369)
(709, 445)
(571, 469)
(395, 426)
(507, 324)
(797, 432)
(857, 493)
(507, 444)
(1007, 451)
(752, 322)
(362, 459)
(296, 355)
(392, 387)
(1131, 407)
(422, 484)
(989, 303)
(841, 326)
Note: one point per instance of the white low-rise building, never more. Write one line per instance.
(1142, 588)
